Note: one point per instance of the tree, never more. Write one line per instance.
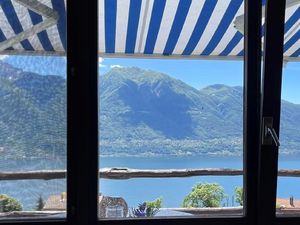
(40, 203)
(239, 195)
(9, 204)
(153, 207)
(205, 195)
(147, 209)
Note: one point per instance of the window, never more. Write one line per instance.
(81, 196)
(288, 194)
(155, 123)
(166, 123)
(33, 120)
(277, 115)
(114, 212)
(33, 135)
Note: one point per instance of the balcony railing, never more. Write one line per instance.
(127, 173)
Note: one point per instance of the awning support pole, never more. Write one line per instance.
(45, 11)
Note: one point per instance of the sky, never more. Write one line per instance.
(196, 73)
(201, 73)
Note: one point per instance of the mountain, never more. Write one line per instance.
(32, 114)
(149, 113)
(142, 113)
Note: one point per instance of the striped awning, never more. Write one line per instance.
(210, 29)
(33, 27)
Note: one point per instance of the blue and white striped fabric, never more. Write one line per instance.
(15, 18)
(182, 28)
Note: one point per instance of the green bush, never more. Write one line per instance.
(205, 195)
(157, 203)
(239, 195)
(9, 204)
(147, 209)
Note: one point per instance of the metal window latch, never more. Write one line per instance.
(269, 134)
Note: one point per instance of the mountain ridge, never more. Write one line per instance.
(32, 114)
(205, 121)
(142, 113)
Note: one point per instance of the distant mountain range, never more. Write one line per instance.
(32, 114)
(142, 113)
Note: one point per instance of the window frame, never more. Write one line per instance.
(82, 112)
(271, 107)
(82, 118)
(252, 84)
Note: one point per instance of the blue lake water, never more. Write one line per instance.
(135, 191)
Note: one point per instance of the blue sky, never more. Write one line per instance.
(201, 73)
(197, 73)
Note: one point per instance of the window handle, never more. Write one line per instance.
(269, 134)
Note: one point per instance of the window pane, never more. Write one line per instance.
(151, 122)
(33, 135)
(171, 130)
(288, 189)
(288, 192)
(32, 110)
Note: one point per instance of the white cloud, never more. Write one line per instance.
(115, 66)
(100, 60)
(3, 57)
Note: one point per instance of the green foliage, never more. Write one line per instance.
(239, 195)
(147, 209)
(142, 113)
(32, 114)
(153, 206)
(9, 204)
(205, 195)
(142, 110)
(40, 203)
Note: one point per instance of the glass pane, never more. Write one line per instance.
(33, 135)
(288, 189)
(171, 130)
(32, 110)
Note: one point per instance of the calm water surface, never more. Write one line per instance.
(135, 191)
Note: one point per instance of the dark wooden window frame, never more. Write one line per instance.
(252, 78)
(270, 107)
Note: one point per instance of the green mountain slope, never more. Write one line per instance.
(32, 114)
(149, 113)
(142, 113)
(163, 115)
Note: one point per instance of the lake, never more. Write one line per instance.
(135, 191)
